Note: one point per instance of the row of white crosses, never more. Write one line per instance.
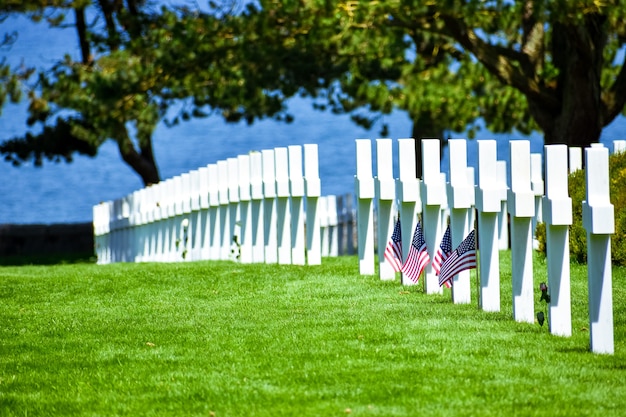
(251, 208)
(461, 199)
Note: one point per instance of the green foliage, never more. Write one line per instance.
(578, 234)
(59, 143)
(240, 65)
(225, 339)
(9, 85)
(524, 66)
(10, 78)
(389, 67)
(514, 64)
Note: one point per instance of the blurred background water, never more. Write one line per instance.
(66, 193)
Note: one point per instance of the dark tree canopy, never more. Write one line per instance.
(556, 66)
(536, 65)
(552, 66)
(138, 60)
(392, 66)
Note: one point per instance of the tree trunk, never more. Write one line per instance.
(81, 29)
(577, 53)
(424, 127)
(142, 162)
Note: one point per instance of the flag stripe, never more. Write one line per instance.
(394, 258)
(461, 259)
(443, 252)
(460, 265)
(393, 250)
(418, 257)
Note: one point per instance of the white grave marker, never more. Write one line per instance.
(100, 231)
(203, 213)
(234, 208)
(245, 216)
(575, 159)
(536, 180)
(521, 206)
(186, 225)
(557, 214)
(115, 230)
(195, 215)
(216, 221)
(332, 213)
(148, 213)
(460, 202)
(148, 220)
(116, 210)
(408, 195)
(269, 207)
(158, 216)
(146, 195)
(169, 222)
(599, 221)
(434, 200)
(296, 186)
(488, 207)
(503, 217)
(224, 214)
(130, 228)
(365, 193)
(167, 218)
(324, 229)
(313, 190)
(256, 207)
(148, 209)
(173, 223)
(155, 216)
(138, 223)
(283, 209)
(385, 196)
(138, 230)
(344, 220)
(471, 179)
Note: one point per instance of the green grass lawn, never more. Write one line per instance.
(223, 339)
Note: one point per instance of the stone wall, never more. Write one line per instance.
(46, 239)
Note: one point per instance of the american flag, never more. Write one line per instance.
(443, 252)
(463, 257)
(393, 251)
(445, 248)
(418, 257)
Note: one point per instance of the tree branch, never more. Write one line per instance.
(81, 30)
(499, 61)
(107, 10)
(614, 99)
(532, 39)
(145, 167)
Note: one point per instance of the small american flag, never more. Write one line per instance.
(418, 257)
(445, 248)
(463, 257)
(393, 250)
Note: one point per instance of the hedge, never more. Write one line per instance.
(578, 235)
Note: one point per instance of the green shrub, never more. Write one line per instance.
(578, 234)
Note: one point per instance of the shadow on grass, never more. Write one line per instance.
(48, 259)
(574, 349)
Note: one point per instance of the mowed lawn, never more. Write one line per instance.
(224, 339)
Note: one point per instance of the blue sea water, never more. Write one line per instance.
(66, 193)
